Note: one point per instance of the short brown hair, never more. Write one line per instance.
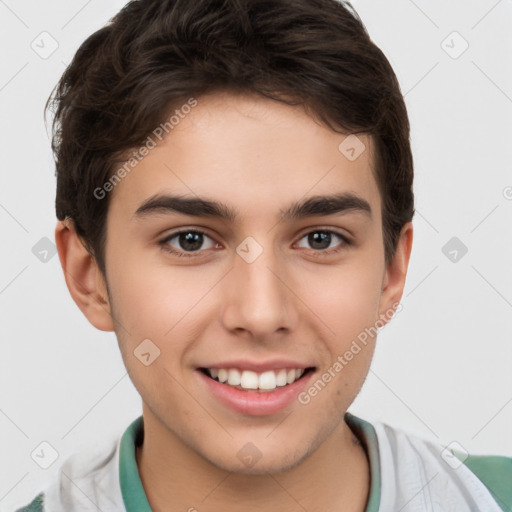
(125, 79)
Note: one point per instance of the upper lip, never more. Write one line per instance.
(259, 366)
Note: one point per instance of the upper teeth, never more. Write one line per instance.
(248, 379)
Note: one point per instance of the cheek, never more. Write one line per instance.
(162, 305)
(346, 299)
(152, 300)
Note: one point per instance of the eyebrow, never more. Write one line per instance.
(314, 206)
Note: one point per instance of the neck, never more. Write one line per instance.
(335, 477)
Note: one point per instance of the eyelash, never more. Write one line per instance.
(183, 254)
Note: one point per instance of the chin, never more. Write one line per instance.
(260, 464)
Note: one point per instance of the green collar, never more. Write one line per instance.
(133, 493)
(135, 499)
(365, 432)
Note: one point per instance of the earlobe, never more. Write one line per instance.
(83, 277)
(396, 272)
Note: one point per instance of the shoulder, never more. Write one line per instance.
(476, 474)
(93, 472)
(36, 505)
(495, 472)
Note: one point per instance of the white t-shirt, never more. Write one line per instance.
(408, 474)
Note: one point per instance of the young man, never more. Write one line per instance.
(234, 195)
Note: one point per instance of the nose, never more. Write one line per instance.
(259, 294)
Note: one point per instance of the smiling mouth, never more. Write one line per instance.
(262, 382)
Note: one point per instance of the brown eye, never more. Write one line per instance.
(187, 241)
(322, 240)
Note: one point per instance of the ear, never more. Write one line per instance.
(83, 277)
(394, 276)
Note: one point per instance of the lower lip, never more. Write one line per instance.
(256, 403)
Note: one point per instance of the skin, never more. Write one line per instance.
(257, 156)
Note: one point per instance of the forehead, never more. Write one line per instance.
(252, 153)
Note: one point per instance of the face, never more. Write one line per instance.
(255, 287)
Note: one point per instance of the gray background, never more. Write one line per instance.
(442, 368)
